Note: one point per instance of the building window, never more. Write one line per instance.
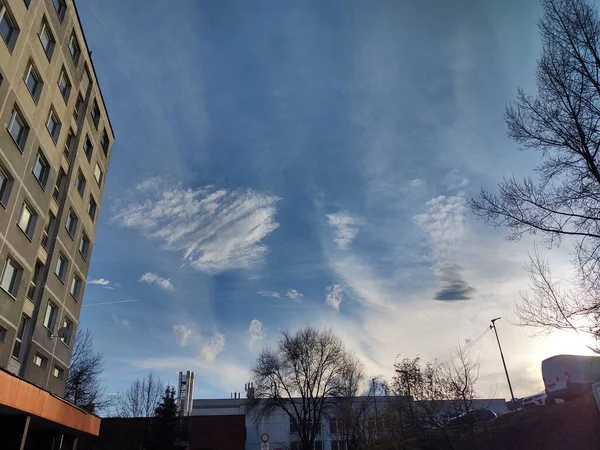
(40, 361)
(68, 325)
(80, 183)
(92, 207)
(88, 148)
(11, 275)
(50, 316)
(27, 220)
(105, 142)
(8, 29)
(5, 186)
(18, 128)
(53, 125)
(3, 333)
(58, 186)
(47, 39)
(61, 7)
(98, 174)
(41, 170)
(74, 49)
(34, 82)
(47, 230)
(68, 144)
(96, 114)
(71, 223)
(23, 325)
(76, 287)
(78, 106)
(64, 85)
(34, 279)
(84, 246)
(62, 266)
(58, 373)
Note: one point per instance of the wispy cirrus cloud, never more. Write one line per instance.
(255, 331)
(294, 294)
(444, 222)
(345, 228)
(103, 282)
(182, 333)
(213, 347)
(119, 321)
(152, 278)
(215, 230)
(272, 294)
(334, 296)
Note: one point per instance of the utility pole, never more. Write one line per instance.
(493, 325)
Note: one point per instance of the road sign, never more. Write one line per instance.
(264, 446)
(264, 437)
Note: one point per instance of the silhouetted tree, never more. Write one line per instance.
(164, 429)
(83, 387)
(141, 398)
(562, 123)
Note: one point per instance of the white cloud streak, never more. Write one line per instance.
(255, 331)
(122, 322)
(182, 333)
(103, 282)
(345, 228)
(272, 294)
(152, 278)
(213, 347)
(334, 296)
(214, 230)
(294, 295)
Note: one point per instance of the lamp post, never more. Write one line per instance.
(375, 403)
(493, 325)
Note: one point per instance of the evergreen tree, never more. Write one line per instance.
(164, 430)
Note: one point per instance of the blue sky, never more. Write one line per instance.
(282, 163)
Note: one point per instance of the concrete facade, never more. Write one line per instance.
(55, 134)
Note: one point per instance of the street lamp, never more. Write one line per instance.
(493, 325)
(375, 402)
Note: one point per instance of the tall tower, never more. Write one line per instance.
(55, 146)
(185, 393)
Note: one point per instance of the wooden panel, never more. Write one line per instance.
(18, 394)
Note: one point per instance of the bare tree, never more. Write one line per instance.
(562, 122)
(142, 397)
(300, 376)
(83, 387)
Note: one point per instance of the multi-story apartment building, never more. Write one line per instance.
(55, 145)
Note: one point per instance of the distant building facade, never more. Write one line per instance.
(55, 147)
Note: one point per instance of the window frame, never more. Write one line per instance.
(50, 316)
(49, 52)
(21, 139)
(68, 85)
(77, 283)
(95, 114)
(71, 223)
(55, 132)
(88, 148)
(64, 267)
(43, 361)
(68, 323)
(105, 142)
(101, 177)
(32, 70)
(78, 105)
(31, 221)
(60, 371)
(86, 247)
(74, 50)
(80, 183)
(48, 228)
(59, 184)
(60, 12)
(45, 165)
(5, 13)
(6, 183)
(95, 208)
(23, 327)
(15, 281)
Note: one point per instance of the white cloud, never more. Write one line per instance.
(123, 322)
(415, 183)
(345, 228)
(214, 230)
(152, 278)
(255, 331)
(273, 294)
(294, 294)
(182, 334)
(335, 295)
(101, 282)
(213, 347)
